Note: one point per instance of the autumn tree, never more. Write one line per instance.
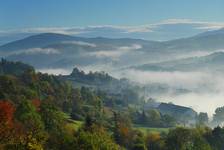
(6, 121)
(122, 130)
(154, 141)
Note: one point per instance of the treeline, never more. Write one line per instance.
(153, 118)
(180, 138)
(92, 77)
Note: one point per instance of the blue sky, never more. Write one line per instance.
(27, 14)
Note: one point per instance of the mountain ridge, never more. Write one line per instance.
(59, 50)
(211, 61)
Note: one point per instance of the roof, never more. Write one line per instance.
(174, 108)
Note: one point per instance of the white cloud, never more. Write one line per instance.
(56, 71)
(80, 43)
(211, 26)
(175, 21)
(115, 53)
(201, 25)
(46, 51)
(60, 30)
(176, 79)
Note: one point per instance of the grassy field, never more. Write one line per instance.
(146, 130)
(73, 124)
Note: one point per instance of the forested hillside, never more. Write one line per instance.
(40, 111)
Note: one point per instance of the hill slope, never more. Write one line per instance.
(212, 62)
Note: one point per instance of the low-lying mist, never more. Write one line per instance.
(205, 90)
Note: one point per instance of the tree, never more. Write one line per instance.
(154, 141)
(154, 117)
(138, 141)
(216, 138)
(54, 121)
(35, 136)
(77, 102)
(95, 139)
(186, 139)
(6, 112)
(143, 119)
(202, 118)
(6, 121)
(168, 121)
(199, 140)
(218, 117)
(51, 116)
(36, 103)
(89, 121)
(179, 139)
(122, 130)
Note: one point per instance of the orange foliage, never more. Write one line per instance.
(124, 131)
(153, 137)
(6, 121)
(36, 103)
(6, 113)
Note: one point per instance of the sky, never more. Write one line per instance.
(53, 14)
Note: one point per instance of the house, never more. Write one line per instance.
(182, 114)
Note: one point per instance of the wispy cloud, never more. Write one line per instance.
(197, 24)
(81, 30)
(115, 53)
(80, 43)
(56, 71)
(46, 51)
(124, 29)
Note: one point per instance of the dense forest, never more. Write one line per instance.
(41, 111)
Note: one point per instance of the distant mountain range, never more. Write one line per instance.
(50, 50)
